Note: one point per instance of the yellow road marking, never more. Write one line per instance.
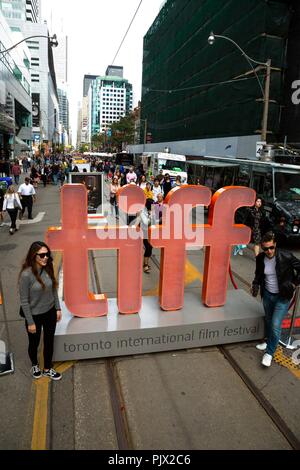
(192, 274)
(39, 432)
(287, 362)
(64, 366)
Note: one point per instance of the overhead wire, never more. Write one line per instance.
(199, 86)
(141, 1)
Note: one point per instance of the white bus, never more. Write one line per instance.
(277, 184)
(169, 163)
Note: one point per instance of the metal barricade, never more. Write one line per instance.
(287, 339)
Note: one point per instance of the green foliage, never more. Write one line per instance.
(122, 132)
(84, 148)
(97, 142)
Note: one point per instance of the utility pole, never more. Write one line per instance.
(266, 102)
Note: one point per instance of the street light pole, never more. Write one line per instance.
(265, 92)
(52, 39)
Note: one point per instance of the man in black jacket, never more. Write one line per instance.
(277, 273)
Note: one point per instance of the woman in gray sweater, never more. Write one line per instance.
(40, 305)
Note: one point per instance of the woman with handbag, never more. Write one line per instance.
(12, 204)
(40, 306)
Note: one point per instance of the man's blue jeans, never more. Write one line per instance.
(275, 310)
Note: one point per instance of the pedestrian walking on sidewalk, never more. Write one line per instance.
(16, 171)
(144, 220)
(12, 205)
(277, 274)
(27, 193)
(258, 222)
(40, 306)
(114, 188)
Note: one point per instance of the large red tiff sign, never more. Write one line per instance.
(75, 238)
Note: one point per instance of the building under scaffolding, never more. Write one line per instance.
(193, 91)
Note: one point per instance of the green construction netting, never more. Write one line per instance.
(179, 64)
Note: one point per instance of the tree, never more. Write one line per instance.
(122, 132)
(83, 148)
(97, 141)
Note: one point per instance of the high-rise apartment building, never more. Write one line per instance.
(33, 11)
(24, 10)
(110, 100)
(63, 109)
(23, 18)
(60, 54)
(87, 81)
(206, 98)
(15, 94)
(114, 71)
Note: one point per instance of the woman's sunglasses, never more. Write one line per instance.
(43, 255)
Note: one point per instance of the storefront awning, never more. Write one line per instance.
(21, 143)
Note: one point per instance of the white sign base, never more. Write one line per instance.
(152, 330)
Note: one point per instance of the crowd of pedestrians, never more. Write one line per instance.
(15, 199)
(155, 188)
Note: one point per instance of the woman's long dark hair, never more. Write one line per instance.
(31, 263)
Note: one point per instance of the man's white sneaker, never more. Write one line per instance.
(261, 346)
(267, 360)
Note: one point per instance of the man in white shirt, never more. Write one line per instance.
(27, 193)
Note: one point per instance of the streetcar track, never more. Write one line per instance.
(262, 400)
(118, 404)
(116, 396)
(254, 390)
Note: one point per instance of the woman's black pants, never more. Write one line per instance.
(148, 248)
(47, 321)
(13, 214)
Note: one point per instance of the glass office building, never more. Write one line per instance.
(110, 99)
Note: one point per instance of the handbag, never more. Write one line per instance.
(16, 205)
(21, 312)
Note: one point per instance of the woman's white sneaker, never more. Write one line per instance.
(267, 360)
(52, 374)
(36, 372)
(261, 346)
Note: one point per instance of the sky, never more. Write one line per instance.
(95, 29)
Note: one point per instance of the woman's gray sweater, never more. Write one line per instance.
(34, 299)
